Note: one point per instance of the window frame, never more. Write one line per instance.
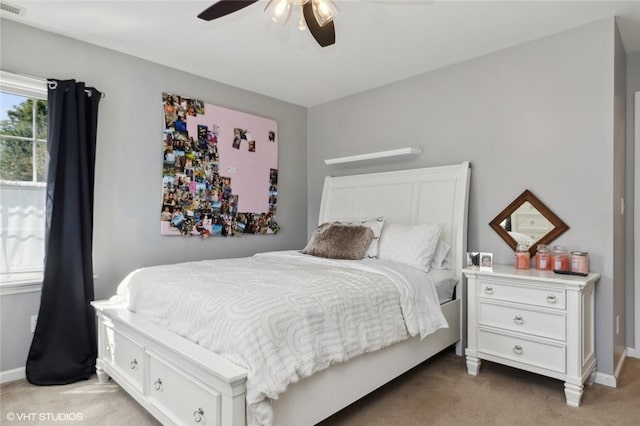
(35, 88)
(32, 88)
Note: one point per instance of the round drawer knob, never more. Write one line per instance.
(517, 349)
(488, 290)
(198, 415)
(157, 385)
(551, 298)
(518, 319)
(134, 364)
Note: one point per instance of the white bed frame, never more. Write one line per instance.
(179, 382)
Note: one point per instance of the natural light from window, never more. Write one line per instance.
(23, 160)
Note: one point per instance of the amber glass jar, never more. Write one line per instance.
(523, 257)
(560, 258)
(580, 262)
(543, 258)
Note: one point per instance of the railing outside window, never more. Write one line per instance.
(23, 161)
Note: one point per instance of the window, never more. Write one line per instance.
(23, 162)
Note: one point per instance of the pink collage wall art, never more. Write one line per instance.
(220, 170)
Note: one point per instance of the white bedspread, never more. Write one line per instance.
(284, 315)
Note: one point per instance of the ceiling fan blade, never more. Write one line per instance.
(325, 36)
(224, 7)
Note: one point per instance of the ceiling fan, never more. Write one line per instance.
(318, 15)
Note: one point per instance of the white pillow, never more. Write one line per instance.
(376, 224)
(440, 256)
(412, 245)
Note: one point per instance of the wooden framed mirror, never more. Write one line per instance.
(527, 220)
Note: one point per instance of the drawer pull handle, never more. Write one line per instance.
(157, 384)
(551, 298)
(108, 348)
(518, 319)
(517, 349)
(134, 364)
(198, 414)
(488, 290)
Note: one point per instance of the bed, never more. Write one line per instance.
(182, 382)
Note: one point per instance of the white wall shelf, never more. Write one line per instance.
(394, 154)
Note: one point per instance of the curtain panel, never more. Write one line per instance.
(63, 349)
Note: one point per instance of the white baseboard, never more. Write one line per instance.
(623, 356)
(631, 352)
(12, 375)
(608, 379)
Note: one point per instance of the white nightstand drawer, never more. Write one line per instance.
(547, 297)
(520, 318)
(125, 355)
(523, 350)
(181, 397)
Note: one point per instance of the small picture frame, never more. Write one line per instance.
(486, 261)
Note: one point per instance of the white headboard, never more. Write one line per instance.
(409, 197)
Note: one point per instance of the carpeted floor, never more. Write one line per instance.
(437, 392)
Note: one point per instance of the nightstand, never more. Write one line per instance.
(534, 320)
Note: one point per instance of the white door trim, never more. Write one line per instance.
(636, 239)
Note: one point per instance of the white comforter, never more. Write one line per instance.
(284, 315)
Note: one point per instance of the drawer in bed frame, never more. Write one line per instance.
(196, 384)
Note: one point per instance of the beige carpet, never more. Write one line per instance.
(438, 392)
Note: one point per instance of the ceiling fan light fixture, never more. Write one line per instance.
(280, 11)
(301, 24)
(324, 11)
(315, 15)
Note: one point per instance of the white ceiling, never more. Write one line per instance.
(377, 41)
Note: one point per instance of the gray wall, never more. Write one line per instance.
(15, 328)
(633, 85)
(537, 116)
(128, 188)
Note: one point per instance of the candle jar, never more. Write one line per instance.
(523, 257)
(560, 258)
(580, 262)
(543, 257)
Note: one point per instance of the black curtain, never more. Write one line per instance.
(63, 349)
